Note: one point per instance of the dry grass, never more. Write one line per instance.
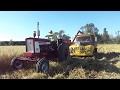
(106, 67)
(7, 53)
(106, 48)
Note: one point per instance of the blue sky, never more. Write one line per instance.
(18, 25)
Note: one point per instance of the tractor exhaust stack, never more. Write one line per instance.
(38, 31)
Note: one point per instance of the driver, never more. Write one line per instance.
(54, 37)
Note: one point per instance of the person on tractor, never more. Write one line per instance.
(53, 36)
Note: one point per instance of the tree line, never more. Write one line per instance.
(104, 38)
(9, 43)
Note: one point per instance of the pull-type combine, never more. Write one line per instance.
(84, 45)
(40, 51)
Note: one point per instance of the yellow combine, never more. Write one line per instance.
(83, 45)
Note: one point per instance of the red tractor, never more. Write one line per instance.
(41, 51)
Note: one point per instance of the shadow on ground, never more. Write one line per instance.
(88, 64)
(65, 67)
(109, 55)
(7, 68)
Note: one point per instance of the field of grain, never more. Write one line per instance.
(106, 67)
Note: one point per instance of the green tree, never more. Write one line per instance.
(60, 34)
(67, 37)
(90, 28)
(117, 38)
(105, 37)
(11, 42)
(99, 38)
(112, 39)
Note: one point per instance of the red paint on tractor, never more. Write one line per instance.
(29, 54)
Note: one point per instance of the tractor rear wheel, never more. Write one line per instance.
(42, 65)
(17, 64)
(95, 54)
(63, 52)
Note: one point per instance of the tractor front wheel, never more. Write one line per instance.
(42, 65)
(17, 64)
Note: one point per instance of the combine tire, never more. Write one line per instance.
(42, 65)
(63, 52)
(17, 64)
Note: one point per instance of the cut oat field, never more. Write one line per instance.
(106, 67)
